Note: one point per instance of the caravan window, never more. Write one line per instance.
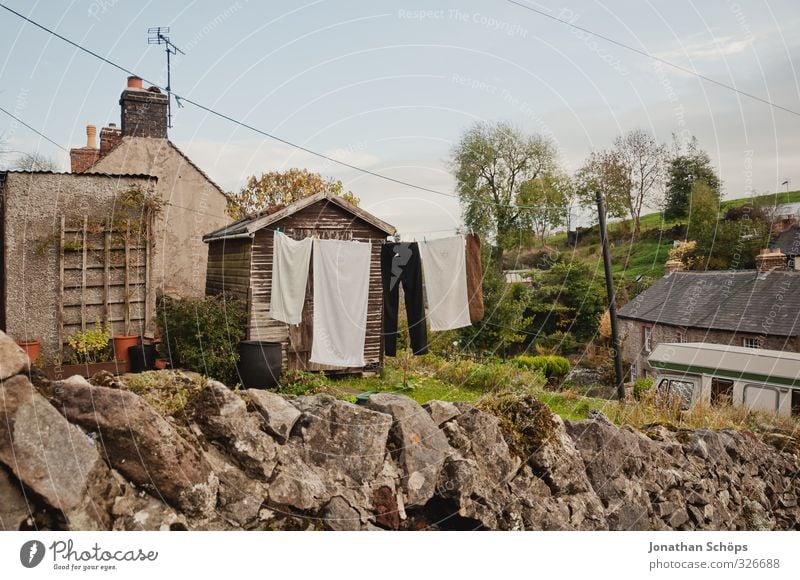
(669, 388)
(761, 398)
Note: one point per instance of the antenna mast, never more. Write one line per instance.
(158, 35)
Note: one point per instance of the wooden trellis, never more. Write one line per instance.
(103, 275)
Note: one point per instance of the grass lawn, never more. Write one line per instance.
(423, 389)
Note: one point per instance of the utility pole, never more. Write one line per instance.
(612, 307)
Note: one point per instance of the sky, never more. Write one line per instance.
(391, 86)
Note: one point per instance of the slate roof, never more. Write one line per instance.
(788, 241)
(250, 225)
(743, 301)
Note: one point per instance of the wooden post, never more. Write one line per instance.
(107, 278)
(127, 280)
(83, 272)
(612, 308)
(61, 286)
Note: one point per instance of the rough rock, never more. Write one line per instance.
(347, 441)
(339, 515)
(223, 417)
(13, 359)
(54, 459)
(14, 508)
(417, 443)
(240, 498)
(138, 511)
(278, 413)
(441, 411)
(140, 444)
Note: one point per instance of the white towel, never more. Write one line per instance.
(290, 261)
(445, 266)
(341, 290)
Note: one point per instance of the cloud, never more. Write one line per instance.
(714, 49)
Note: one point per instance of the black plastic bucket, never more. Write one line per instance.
(142, 357)
(259, 364)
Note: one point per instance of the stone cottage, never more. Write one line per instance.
(192, 203)
(755, 309)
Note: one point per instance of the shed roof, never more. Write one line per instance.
(250, 225)
(743, 301)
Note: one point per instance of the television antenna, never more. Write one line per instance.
(158, 35)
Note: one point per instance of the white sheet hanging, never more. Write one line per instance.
(290, 260)
(445, 267)
(341, 290)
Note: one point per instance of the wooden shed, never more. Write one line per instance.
(240, 264)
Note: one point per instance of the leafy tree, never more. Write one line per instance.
(629, 175)
(547, 199)
(505, 321)
(603, 171)
(644, 161)
(703, 214)
(685, 168)
(568, 297)
(490, 164)
(278, 188)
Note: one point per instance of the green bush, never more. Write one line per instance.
(551, 366)
(641, 386)
(559, 341)
(297, 382)
(202, 335)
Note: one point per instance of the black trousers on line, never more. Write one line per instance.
(401, 264)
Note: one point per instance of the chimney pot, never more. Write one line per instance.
(134, 82)
(91, 137)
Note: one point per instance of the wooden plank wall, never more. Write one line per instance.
(328, 221)
(229, 268)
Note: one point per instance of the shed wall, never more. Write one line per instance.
(328, 221)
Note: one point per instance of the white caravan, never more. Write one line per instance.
(761, 380)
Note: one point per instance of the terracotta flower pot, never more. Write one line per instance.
(31, 348)
(161, 364)
(121, 345)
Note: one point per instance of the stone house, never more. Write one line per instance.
(62, 269)
(192, 203)
(755, 309)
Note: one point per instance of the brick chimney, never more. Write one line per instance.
(81, 158)
(770, 260)
(144, 111)
(109, 137)
(673, 266)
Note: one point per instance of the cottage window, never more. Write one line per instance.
(751, 342)
(647, 338)
(681, 337)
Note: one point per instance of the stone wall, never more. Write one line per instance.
(258, 461)
(632, 337)
(33, 206)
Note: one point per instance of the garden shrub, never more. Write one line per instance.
(526, 422)
(551, 366)
(202, 334)
(641, 386)
(297, 382)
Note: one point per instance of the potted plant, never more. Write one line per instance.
(122, 342)
(31, 347)
(90, 353)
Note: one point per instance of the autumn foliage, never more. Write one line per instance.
(279, 188)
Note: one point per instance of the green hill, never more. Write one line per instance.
(645, 256)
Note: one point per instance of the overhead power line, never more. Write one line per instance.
(232, 119)
(654, 57)
(24, 124)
